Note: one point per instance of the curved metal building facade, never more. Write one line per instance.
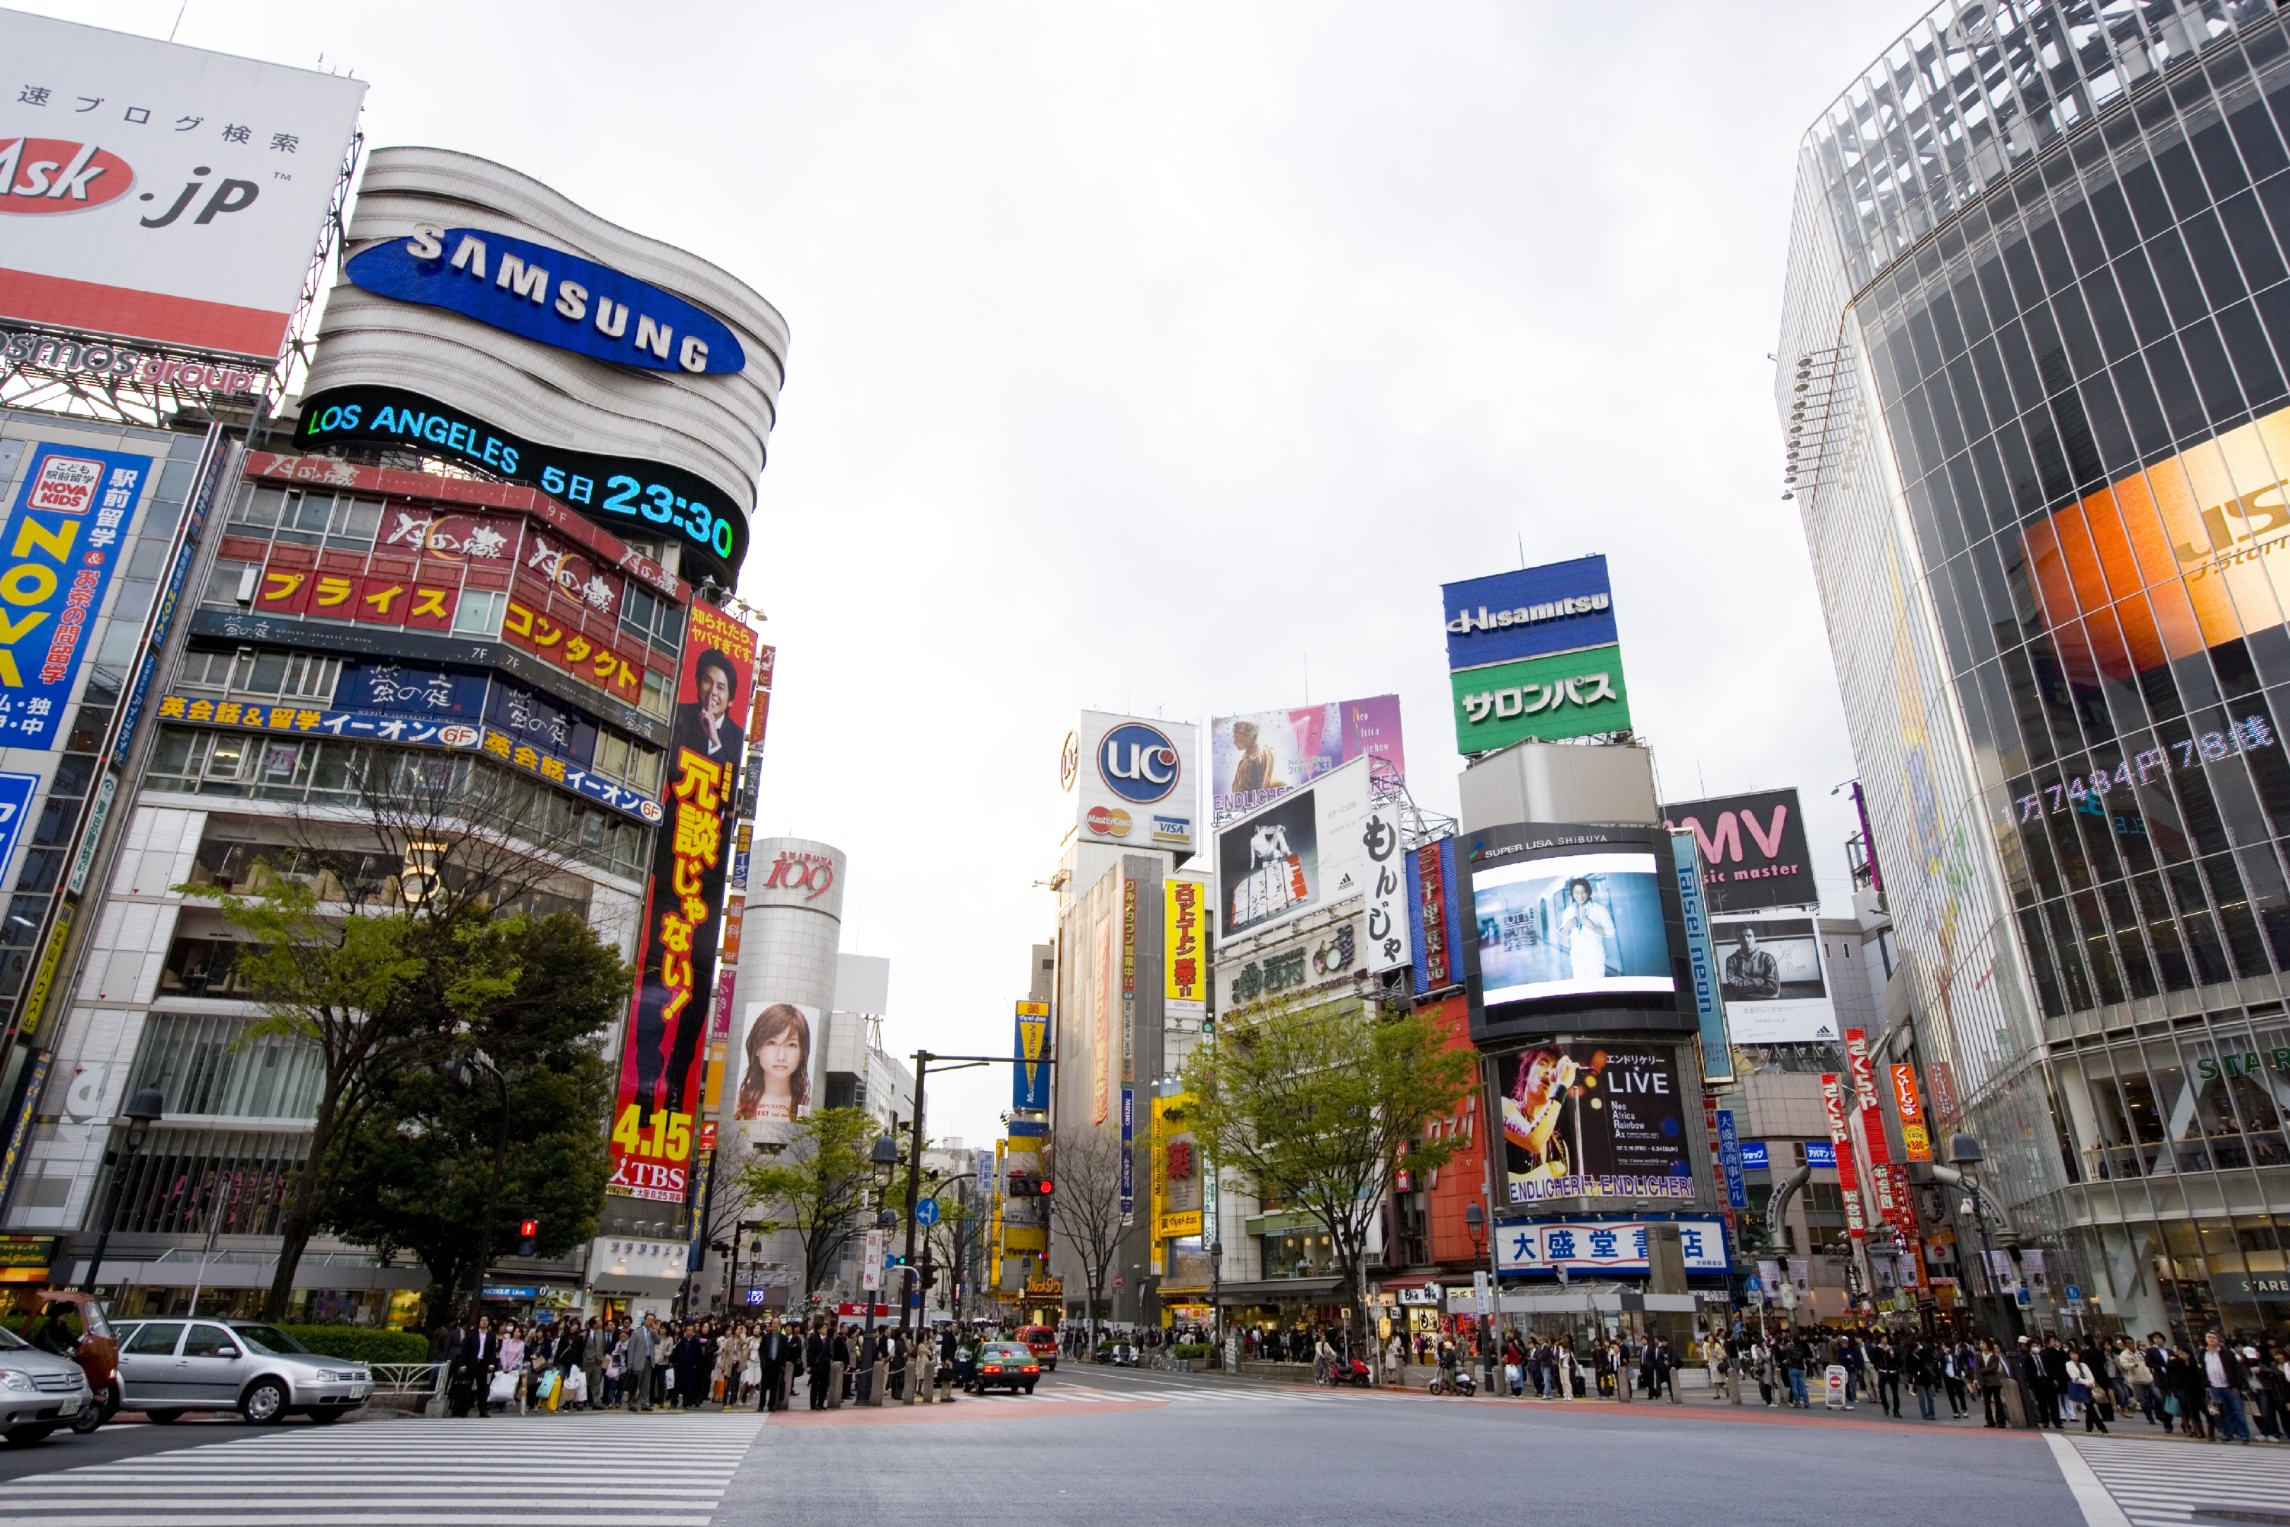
(2036, 385)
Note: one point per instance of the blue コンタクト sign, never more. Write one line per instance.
(549, 296)
(1559, 607)
(60, 546)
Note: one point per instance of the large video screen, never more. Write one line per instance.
(1571, 925)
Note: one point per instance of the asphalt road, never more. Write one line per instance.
(1104, 1448)
(1098, 1448)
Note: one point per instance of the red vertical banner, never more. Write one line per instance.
(665, 1043)
(1873, 1137)
(1841, 1141)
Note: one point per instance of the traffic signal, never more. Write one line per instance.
(528, 1231)
(930, 1277)
(1025, 1185)
(1043, 1187)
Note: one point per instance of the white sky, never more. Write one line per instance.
(1156, 357)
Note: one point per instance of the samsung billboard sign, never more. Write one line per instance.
(549, 296)
(1559, 607)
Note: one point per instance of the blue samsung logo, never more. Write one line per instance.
(549, 296)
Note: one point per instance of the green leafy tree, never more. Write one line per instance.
(819, 1185)
(1310, 1107)
(351, 988)
(536, 995)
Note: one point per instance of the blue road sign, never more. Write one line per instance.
(926, 1212)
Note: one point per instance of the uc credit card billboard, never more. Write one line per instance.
(58, 551)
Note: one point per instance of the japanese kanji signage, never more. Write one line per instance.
(1915, 1135)
(659, 1092)
(1604, 1246)
(1435, 916)
(1185, 957)
(1572, 694)
(1384, 856)
(1176, 1171)
(1848, 1180)
(57, 553)
(411, 731)
(161, 193)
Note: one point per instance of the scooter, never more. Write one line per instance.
(1459, 1383)
(1349, 1371)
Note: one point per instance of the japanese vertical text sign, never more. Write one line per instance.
(659, 1090)
(1701, 958)
(1841, 1145)
(1029, 1078)
(1390, 940)
(1872, 1125)
(1915, 1137)
(60, 544)
(1185, 960)
(1128, 1153)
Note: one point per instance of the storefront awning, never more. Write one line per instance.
(1274, 1290)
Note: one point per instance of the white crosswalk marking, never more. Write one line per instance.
(2170, 1484)
(541, 1471)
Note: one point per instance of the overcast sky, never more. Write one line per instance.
(1167, 358)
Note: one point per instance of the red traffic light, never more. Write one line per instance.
(528, 1229)
(1046, 1188)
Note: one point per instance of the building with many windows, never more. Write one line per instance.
(2035, 379)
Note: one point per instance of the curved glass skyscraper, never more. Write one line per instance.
(2036, 382)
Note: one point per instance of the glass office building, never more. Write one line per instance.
(2036, 382)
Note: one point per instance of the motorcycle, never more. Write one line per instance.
(1349, 1371)
(1457, 1381)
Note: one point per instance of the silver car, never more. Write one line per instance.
(167, 1367)
(39, 1391)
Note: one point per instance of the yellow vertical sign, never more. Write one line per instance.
(1029, 1078)
(1184, 956)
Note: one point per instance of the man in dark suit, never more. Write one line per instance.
(471, 1359)
(773, 1351)
(815, 1363)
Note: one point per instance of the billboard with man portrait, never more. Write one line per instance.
(1769, 972)
(664, 1045)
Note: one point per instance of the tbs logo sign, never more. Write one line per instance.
(1138, 763)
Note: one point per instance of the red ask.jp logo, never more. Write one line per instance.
(57, 175)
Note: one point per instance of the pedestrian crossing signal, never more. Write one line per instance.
(528, 1232)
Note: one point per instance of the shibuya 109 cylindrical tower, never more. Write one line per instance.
(2035, 379)
(774, 1063)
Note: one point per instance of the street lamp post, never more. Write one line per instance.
(143, 1110)
(1964, 1155)
(1216, 1298)
(884, 1160)
(1475, 1221)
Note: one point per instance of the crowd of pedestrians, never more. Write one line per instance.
(656, 1364)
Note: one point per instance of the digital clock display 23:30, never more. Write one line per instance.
(606, 488)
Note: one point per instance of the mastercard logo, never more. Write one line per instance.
(1108, 823)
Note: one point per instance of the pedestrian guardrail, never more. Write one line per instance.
(407, 1378)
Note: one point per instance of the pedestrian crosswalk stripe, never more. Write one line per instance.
(424, 1473)
(2169, 1484)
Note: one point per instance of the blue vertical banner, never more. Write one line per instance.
(1701, 956)
(1128, 1153)
(57, 553)
(15, 804)
(1029, 1077)
(1729, 1156)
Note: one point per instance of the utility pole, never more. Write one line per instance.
(922, 1060)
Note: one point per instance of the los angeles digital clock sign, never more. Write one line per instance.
(603, 487)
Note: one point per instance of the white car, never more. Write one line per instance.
(39, 1391)
(167, 1367)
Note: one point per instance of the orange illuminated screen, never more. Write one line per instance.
(2169, 561)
